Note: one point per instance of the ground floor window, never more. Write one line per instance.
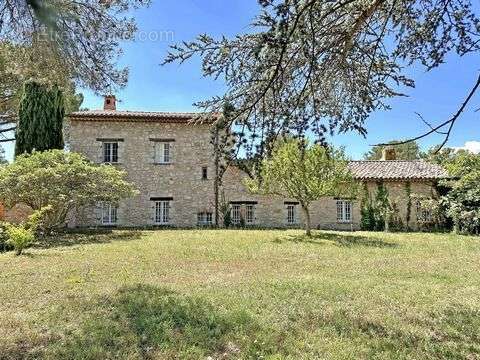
(109, 214)
(291, 213)
(423, 214)
(205, 218)
(162, 212)
(236, 214)
(344, 211)
(249, 214)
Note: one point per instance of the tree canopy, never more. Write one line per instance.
(407, 151)
(62, 181)
(65, 43)
(460, 200)
(305, 173)
(82, 36)
(320, 67)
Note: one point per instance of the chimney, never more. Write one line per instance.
(110, 103)
(388, 153)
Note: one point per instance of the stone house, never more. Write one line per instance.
(170, 159)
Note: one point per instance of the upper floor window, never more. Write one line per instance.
(205, 218)
(204, 173)
(163, 152)
(291, 213)
(109, 214)
(162, 212)
(344, 211)
(110, 152)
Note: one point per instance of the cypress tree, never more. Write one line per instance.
(40, 122)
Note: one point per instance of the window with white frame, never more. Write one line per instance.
(344, 211)
(291, 213)
(423, 214)
(110, 152)
(236, 213)
(109, 214)
(163, 153)
(205, 218)
(162, 212)
(249, 214)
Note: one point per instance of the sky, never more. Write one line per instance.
(174, 87)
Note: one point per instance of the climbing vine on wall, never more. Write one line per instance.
(408, 191)
(367, 211)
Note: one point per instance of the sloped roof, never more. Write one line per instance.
(396, 170)
(154, 116)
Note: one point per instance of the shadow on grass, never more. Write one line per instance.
(344, 240)
(149, 322)
(449, 334)
(103, 236)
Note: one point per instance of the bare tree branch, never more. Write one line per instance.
(450, 122)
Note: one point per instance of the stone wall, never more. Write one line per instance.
(182, 179)
(397, 193)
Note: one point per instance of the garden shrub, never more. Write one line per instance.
(463, 203)
(63, 181)
(19, 236)
(4, 245)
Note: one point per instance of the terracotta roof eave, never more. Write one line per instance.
(141, 117)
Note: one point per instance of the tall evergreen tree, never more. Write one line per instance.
(40, 122)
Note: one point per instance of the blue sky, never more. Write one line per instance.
(176, 87)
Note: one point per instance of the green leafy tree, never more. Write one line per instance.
(463, 203)
(407, 151)
(40, 119)
(83, 37)
(69, 44)
(439, 156)
(305, 173)
(62, 182)
(460, 200)
(463, 163)
(325, 66)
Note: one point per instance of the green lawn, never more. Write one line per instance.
(243, 294)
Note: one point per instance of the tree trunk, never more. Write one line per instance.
(306, 213)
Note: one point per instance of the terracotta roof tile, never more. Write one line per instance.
(154, 116)
(396, 170)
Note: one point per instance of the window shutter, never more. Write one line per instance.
(97, 213)
(170, 151)
(153, 154)
(99, 157)
(121, 152)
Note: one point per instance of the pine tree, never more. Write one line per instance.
(40, 119)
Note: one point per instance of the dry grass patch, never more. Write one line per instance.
(242, 294)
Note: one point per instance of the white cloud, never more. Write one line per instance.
(472, 146)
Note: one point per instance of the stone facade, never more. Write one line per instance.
(181, 182)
